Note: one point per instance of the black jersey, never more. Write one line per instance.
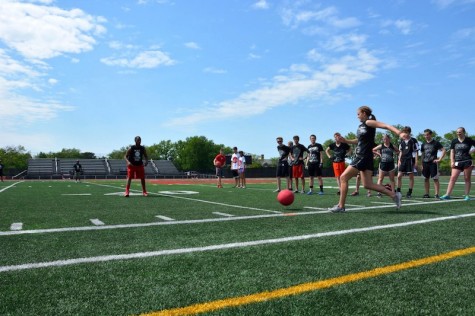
(314, 152)
(407, 148)
(387, 153)
(429, 150)
(297, 153)
(339, 151)
(283, 152)
(136, 155)
(462, 149)
(365, 135)
(77, 167)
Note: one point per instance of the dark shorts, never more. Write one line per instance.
(363, 163)
(387, 166)
(430, 170)
(314, 170)
(235, 173)
(282, 169)
(219, 172)
(406, 166)
(462, 165)
(135, 172)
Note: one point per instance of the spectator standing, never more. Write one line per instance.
(77, 170)
(242, 169)
(315, 163)
(387, 165)
(136, 159)
(297, 155)
(219, 162)
(235, 167)
(340, 150)
(430, 162)
(282, 164)
(406, 162)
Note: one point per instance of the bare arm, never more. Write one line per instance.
(377, 124)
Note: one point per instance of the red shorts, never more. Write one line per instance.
(135, 172)
(338, 168)
(297, 171)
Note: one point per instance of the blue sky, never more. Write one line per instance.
(92, 75)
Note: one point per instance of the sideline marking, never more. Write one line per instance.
(233, 245)
(310, 286)
(74, 194)
(10, 186)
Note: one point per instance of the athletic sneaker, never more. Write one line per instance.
(320, 193)
(445, 197)
(426, 196)
(338, 193)
(126, 194)
(355, 193)
(296, 191)
(466, 198)
(437, 196)
(309, 192)
(276, 190)
(303, 191)
(337, 209)
(145, 194)
(397, 199)
(379, 195)
(408, 195)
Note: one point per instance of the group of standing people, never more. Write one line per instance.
(366, 150)
(238, 168)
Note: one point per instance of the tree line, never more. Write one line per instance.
(193, 153)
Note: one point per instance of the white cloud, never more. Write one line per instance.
(345, 42)
(253, 56)
(345, 72)
(403, 26)
(42, 32)
(52, 81)
(213, 70)
(316, 19)
(261, 4)
(146, 59)
(192, 45)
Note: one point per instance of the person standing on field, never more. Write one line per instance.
(297, 154)
(219, 162)
(235, 167)
(282, 164)
(1, 170)
(430, 162)
(460, 160)
(136, 159)
(340, 150)
(77, 169)
(315, 163)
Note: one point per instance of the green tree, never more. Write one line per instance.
(118, 154)
(196, 153)
(164, 150)
(15, 157)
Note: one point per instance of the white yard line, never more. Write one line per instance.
(234, 245)
(10, 186)
(223, 214)
(16, 226)
(164, 218)
(74, 194)
(97, 222)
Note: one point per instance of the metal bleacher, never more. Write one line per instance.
(44, 168)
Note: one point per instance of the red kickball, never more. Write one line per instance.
(285, 197)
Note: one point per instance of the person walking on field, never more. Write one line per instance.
(430, 162)
(460, 160)
(363, 161)
(340, 150)
(77, 169)
(136, 159)
(219, 162)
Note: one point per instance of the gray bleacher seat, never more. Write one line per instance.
(41, 167)
(166, 167)
(92, 167)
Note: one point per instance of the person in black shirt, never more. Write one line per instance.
(297, 155)
(282, 164)
(315, 163)
(136, 159)
(430, 162)
(340, 150)
(407, 162)
(386, 152)
(460, 160)
(77, 169)
(363, 161)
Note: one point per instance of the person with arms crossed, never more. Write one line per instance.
(315, 163)
(136, 159)
(387, 165)
(282, 164)
(297, 155)
(363, 161)
(235, 167)
(219, 162)
(430, 162)
(340, 150)
(406, 161)
(460, 160)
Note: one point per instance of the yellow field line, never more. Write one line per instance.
(308, 287)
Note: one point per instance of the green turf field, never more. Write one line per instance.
(83, 249)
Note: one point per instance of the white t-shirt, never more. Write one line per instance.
(235, 161)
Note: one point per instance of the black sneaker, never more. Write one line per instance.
(437, 196)
(408, 195)
(426, 196)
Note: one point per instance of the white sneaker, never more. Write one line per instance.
(337, 209)
(397, 199)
